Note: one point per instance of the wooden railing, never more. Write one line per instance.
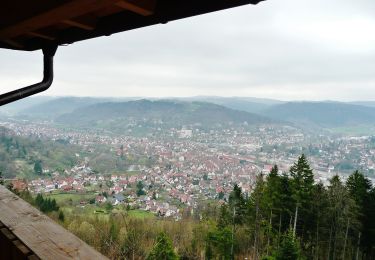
(26, 233)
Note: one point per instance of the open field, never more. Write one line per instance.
(70, 198)
(354, 130)
(141, 214)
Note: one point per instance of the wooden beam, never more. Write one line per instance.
(142, 7)
(47, 239)
(41, 35)
(80, 24)
(63, 12)
(14, 44)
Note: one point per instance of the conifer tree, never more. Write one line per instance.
(359, 188)
(319, 210)
(287, 204)
(237, 205)
(219, 244)
(224, 217)
(255, 209)
(162, 249)
(273, 189)
(38, 168)
(61, 216)
(341, 216)
(289, 249)
(39, 200)
(237, 211)
(272, 198)
(302, 180)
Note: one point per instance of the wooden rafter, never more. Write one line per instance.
(41, 35)
(142, 7)
(56, 15)
(67, 12)
(13, 43)
(80, 24)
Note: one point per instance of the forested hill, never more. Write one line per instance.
(247, 104)
(16, 107)
(56, 107)
(323, 114)
(20, 155)
(162, 113)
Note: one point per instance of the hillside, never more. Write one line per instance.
(364, 103)
(23, 104)
(19, 155)
(164, 114)
(323, 114)
(59, 106)
(247, 104)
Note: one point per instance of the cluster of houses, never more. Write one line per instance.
(193, 166)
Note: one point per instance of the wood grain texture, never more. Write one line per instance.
(43, 236)
(53, 16)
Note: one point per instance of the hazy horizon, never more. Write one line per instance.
(204, 96)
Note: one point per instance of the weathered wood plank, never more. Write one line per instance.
(43, 236)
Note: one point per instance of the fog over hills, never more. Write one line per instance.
(252, 105)
(203, 109)
(164, 113)
(64, 105)
(323, 114)
(21, 105)
(59, 106)
(364, 103)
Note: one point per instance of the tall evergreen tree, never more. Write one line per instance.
(38, 168)
(319, 210)
(287, 204)
(302, 180)
(225, 217)
(341, 216)
(140, 190)
(237, 205)
(237, 210)
(273, 203)
(162, 249)
(289, 249)
(359, 188)
(255, 211)
(220, 244)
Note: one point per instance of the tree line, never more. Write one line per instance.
(289, 216)
(46, 204)
(285, 216)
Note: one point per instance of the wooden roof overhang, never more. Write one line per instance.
(30, 25)
(35, 24)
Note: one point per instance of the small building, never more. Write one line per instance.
(117, 199)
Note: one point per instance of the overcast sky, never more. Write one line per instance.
(282, 49)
